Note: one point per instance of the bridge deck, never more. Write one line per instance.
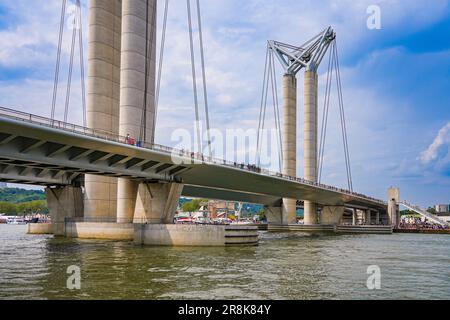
(39, 150)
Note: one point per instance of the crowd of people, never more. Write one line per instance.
(414, 223)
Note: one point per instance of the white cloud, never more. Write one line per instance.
(441, 141)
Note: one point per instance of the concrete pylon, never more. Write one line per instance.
(393, 206)
(137, 89)
(103, 98)
(310, 139)
(289, 209)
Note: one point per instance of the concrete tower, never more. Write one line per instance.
(137, 89)
(293, 59)
(103, 98)
(289, 209)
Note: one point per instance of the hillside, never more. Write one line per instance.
(15, 195)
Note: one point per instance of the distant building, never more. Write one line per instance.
(3, 185)
(441, 208)
(219, 209)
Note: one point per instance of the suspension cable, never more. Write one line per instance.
(259, 137)
(83, 82)
(194, 77)
(58, 59)
(334, 68)
(160, 67)
(277, 114)
(343, 120)
(205, 91)
(69, 79)
(264, 105)
(275, 107)
(326, 108)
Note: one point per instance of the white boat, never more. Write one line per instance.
(16, 221)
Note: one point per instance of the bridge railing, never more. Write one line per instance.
(197, 157)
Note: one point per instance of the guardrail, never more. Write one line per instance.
(200, 158)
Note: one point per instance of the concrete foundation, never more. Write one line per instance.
(331, 215)
(100, 231)
(137, 89)
(64, 202)
(289, 207)
(40, 228)
(165, 235)
(195, 235)
(103, 97)
(310, 139)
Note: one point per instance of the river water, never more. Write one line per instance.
(283, 266)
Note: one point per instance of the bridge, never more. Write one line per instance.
(40, 151)
(95, 173)
(431, 217)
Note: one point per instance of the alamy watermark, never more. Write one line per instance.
(374, 19)
(239, 146)
(374, 279)
(74, 280)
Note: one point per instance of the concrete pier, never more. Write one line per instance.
(289, 207)
(64, 202)
(393, 206)
(310, 140)
(137, 88)
(331, 215)
(103, 97)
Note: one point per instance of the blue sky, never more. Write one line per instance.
(396, 80)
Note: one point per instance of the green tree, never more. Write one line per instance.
(432, 210)
(261, 215)
(8, 208)
(32, 207)
(193, 205)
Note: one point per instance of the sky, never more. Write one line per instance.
(396, 79)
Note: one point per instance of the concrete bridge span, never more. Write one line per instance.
(66, 150)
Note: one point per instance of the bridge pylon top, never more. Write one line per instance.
(307, 56)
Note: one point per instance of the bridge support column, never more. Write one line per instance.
(137, 88)
(157, 202)
(274, 215)
(64, 202)
(289, 207)
(310, 139)
(103, 98)
(331, 215)
(354, 217)
(393, 207)
(368, 217)
(126, 200)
